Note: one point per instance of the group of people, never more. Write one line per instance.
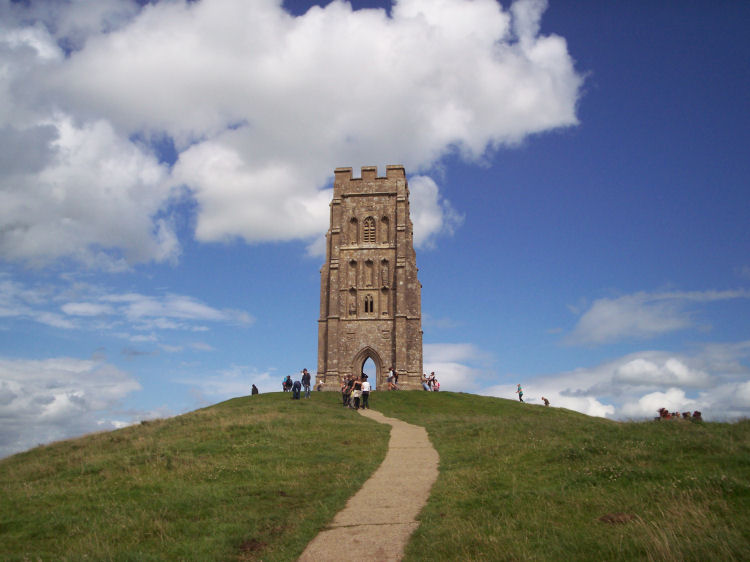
(355, 391)
(519, 391)
(295, 387)
(430, 383)
(665, 414)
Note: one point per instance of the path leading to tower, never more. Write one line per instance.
(379, 519)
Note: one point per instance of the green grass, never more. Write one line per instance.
(523, 482)
(247, 479)
(257, 478)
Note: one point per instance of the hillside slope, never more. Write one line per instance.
(246, 478)
(257, 478)
(525, 482)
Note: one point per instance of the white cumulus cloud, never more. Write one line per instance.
(260, 107)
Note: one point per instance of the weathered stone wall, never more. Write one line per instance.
(370, 297)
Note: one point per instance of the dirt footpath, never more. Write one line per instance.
(379, 519)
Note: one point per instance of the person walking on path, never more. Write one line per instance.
(519, 391)
(365, 392)
(306, 382)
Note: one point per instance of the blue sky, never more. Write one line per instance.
(579, 189)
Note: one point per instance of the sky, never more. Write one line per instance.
(578, 177)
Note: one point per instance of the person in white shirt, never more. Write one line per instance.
(365, 392)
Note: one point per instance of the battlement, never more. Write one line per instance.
(369, 173)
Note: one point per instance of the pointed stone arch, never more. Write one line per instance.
(361, 357)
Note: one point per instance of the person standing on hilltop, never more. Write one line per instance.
(425, 381)
(356, 392)
(306, 382)
(254, 391)
(519, 391)
(346, 389)
(365, 392)
(392, 379)
(431, 380)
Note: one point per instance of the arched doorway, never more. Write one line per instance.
(371, 371)
(368, 358)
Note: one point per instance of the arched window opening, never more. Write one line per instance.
(369, 304)
(368, 231)
(371, 371)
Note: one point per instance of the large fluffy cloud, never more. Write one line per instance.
(96, 190)
(259, 107)
(51, 399)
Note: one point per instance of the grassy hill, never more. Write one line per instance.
(257, 478)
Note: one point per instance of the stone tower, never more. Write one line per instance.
(370, 298)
